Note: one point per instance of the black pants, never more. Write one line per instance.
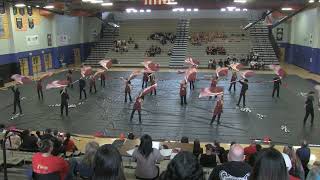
(103, 82)
(94, 87)
(15, 104)
(309, 112)
(125, 96)
(132, 113)
(183, 99)
(244, 99)
(64, 105)
(70, 85)
(144, 84)
(214, 118)
(155, 92)
(274, 90)
(40, 93)
(191, 85)
(234, 86)
(84, 92)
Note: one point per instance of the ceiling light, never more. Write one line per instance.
(141, 10)
(130, 10)
(238, 9)
(29, 6)
(49, 7)
(86, 0)
(178, 9)
(311, 1)
(172, 3)
(244, 9)
(37, 6)
(189, 10)
(240, 1)
(148, 10)
(223, 9)
(96, 1)
(231, 8)
(107, 4)
(287, 9)
(20, 5)
(195, 9)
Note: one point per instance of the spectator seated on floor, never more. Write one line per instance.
(83, 165)
(45, 163)
(29, 142)
(153, 51)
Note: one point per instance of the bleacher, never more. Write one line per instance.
(238, 46)
(140, 30)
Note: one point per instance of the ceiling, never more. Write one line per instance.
(121, 5)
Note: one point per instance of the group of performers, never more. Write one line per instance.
(149, 78)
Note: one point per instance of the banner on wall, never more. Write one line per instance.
(279, 34)
(63, 39)
(32, 40)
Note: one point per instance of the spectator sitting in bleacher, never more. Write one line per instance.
(297, 168)
(153, 51)
(47, 163)
(209, 159)
(170, 52)
(84, 164)
(184, 166)
(130, 41)
(220, 151)
(29, 142)
(211, 50)
(163, 37)
(220, 63)
(108, 164)
(120, 46)
(146, 158)
(210, 64)
(136, 46)
(184, 139)
(57, 148)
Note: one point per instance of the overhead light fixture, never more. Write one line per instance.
(172, 3)
(240, 1)
(311, 1)
(148, 10)
(86, 0)
(231, 8)
(195, 9)
(20, 5)
(141, 10)
(96, 1)
(178, 9)
(238, 9)
(286, 9)
(107, 4)
(49, 7)
(223, 9)
(244, 9)
(130, 10)
(189, 10)
(37, 6)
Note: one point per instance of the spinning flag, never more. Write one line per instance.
(98, 73)
(21, 79)
(57, 84)
(134, 74)
(86, 71)
(191, 74)
(236, 66)
(181, 71)
(205, 92)
(107, 63)
(247, 74)
(151, 66)
(222, 72)
(191, 61)
(46, 75)
(149, 89)
(278, 70)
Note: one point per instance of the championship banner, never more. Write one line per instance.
(157, 2)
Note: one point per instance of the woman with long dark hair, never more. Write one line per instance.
(68, 144)
(146, 158)
(184, 166)
(297, 168)
(197, 150)
(108, 164)
(270, 165)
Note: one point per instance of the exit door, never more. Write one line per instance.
(77, 58)
(24, 66)
(36, 64)
(48, 61)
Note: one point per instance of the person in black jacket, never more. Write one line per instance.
(243, 92)
(64, 101)
(309, 109)
(82, 85)
(276, 85)
(16, 99)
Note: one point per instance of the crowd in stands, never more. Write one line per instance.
(153, 51)
(105, 162)
(163, 37)
(212, 50)
(198, 38)
(120, 46)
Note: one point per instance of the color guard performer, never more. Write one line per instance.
(214, 82)
(92, 84)
(82, 85)
(145, 80)
(39, 89)
(16, 99)
(137, 107)
(243, 92)
(127, 90)
(103, 80)
(218, 110)
(276, 85)
(183, 92)
(233, 81)
(153, 82)
(69, 78)
(309, 109)
(64, 101)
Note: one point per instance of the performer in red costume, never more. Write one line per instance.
(39, 89)
(103, 80)
(127, 90)
(137, 107)
(69, 78)
(217, 110)
(233, 81)
(92, 83)
(183, 92)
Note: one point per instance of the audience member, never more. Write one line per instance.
(314, 173)
(253, 157)
(184, 139)
(220, 151)
(45, 162)
(209, 159)
(304, 154)
(68, 144)
(131, 136)
(120, 46)
(29, 142)
(57, 148)
(163, 37)
(146, 158)
(108, 164)
(251, 149)
(153, 51)
(184, 166)
(220, 63)
(269, 165)
(211, 50)
(38, 133)
(235, 168)
(297, 168)
(84, 164)
(197, 150)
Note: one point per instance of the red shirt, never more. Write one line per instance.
(214, 83)
(70, 147)
(218, 108)
(102, 76)
(233, 78)
(137, 104)
(248, 151)
(183, 90)
(293, 178)
(50, 164)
